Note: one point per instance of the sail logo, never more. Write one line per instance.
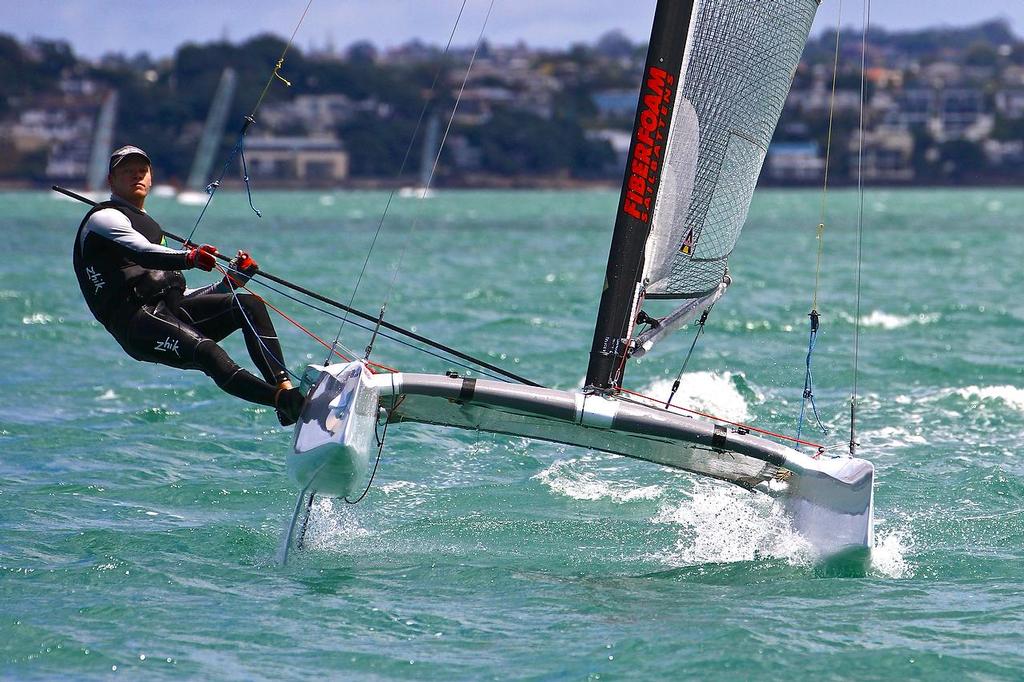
(687, 247)
(168, 345)
(648, 143)
(95, 278)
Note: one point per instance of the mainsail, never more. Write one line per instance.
(715, 81)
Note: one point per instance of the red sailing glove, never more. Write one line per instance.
(203, 257)
(239, 271)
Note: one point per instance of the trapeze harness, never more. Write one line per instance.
(133, 285)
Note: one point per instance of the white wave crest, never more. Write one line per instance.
(1011, 395)
(711, 392)
(567, 478)
(723, 524)
(882, 320)
(37, 318)
(890, 437)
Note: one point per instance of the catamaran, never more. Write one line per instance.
(716, 77)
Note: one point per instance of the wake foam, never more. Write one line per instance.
(889, 555)
(567, 477)
(723, 524)
(331, 526)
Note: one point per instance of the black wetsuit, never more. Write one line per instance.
(133, 285)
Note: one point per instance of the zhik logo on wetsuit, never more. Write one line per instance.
(96, 278)
(168, 345)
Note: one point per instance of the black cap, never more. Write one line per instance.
(124, 152)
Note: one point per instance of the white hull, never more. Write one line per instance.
(192, 198)
(830, 500)
(416, 193)
(164, 191)
(335, 433)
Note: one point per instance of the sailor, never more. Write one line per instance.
(133, 285)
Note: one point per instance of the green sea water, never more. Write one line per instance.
(141, 508)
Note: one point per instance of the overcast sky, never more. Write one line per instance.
(95, 27)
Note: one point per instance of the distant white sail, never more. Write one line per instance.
(102, 144)
(737, 70)
(213, 131)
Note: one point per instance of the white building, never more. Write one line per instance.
(316, 160)
(795, 162)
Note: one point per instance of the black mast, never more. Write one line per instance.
(639, 188)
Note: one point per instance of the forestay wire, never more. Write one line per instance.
(451, 118)
(860, 228)
(815, 317)
(401, 170)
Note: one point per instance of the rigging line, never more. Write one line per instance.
(686, 361)
(828, 155)
(376, 464)
(212, 188)
(329, 313)
(455, 109)
(808, 392)
(291, 320)
(276, 73)
(638, 303)
(333, 350)
(500, 375)
(405, 161)
(239, 148)
(267, 353)
(451, 119)
(307, 332)
(860, 228)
